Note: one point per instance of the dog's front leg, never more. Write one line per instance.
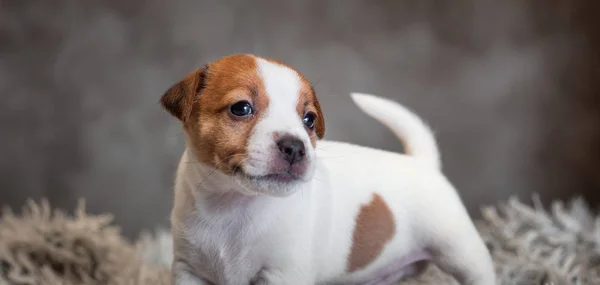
(181, 275)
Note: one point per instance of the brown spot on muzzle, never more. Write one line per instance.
(374, 228)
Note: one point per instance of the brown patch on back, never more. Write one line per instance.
(374, 228)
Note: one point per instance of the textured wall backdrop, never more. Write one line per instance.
(508, 87)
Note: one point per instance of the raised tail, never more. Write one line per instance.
(416, 136)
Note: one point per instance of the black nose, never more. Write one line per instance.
(291, 149)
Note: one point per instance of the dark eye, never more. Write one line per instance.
(309, 120)
(241, 109)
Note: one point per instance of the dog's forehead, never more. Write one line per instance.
(282, 84)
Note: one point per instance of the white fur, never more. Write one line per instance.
(228, 232)
(283, 85)
(405, 124)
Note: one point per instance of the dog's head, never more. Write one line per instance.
(254, 119)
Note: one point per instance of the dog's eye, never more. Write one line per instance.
(309, 120)
(241, 109)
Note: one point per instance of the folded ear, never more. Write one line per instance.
(320, 123)
(180, 98)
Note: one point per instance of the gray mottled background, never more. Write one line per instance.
(511, 88)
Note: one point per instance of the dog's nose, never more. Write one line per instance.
(292, 149)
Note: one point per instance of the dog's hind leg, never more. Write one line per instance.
(457, 248)
(450, 236)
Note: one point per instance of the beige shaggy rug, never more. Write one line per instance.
(530, 245)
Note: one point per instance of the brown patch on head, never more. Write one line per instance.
(308, 102)
(374, 228)
(202, 100)
(178, 100)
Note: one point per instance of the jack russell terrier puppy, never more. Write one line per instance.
(259, 199)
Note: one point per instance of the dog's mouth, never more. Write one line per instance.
(281, 177)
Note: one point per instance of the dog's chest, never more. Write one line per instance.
(225, 252)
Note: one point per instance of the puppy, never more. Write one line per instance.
(260, 199)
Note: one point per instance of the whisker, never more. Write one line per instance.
(217, 167)
(207, 176)
(321, 148)
(317, 179)
(223, 160)
(324, 157)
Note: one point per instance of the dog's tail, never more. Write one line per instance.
(417, 137)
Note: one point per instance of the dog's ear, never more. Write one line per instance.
(320, 123)
(180, 97)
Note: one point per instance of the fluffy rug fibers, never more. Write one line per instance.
(530, 245)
